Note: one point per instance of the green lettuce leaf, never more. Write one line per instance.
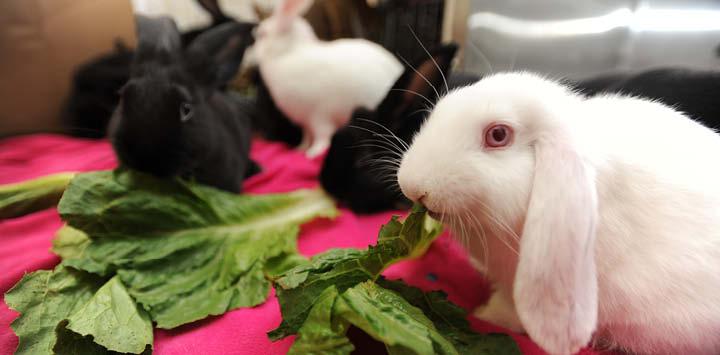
(69, 243)
(298, 289)
(114, 320)
(65, 310)
(34, 195)
(450, 321)
(388, 317)
(406, 319)
(323, 332)
(342, 287)
(71, 343)
(45, 298)
(184, 251)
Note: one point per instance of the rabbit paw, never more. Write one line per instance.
(317, 148)
(500, 311)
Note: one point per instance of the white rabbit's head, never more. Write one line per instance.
(284, 29)
(503, 149)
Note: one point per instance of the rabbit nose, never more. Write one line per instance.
(420, 199)
(415, 195)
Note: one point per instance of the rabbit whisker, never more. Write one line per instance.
(380, 160)
(377, 135)
(415, 93)
(500, 236)
(367, 145)
(401, 141)
(447, 88)
(388, 147)
(421, 110)
(482, 56)
(419, 73)
(483, 241)
(384, 141)
(486, 209)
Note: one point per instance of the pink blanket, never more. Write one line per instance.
(25, 244)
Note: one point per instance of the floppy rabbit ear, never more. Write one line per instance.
(158, 39)
(215, 55)
(289, 10)
(420, 84)
(555, 289)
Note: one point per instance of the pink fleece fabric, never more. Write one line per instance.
(25, 244)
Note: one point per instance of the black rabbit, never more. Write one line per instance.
(695, 92)
(217, 16)
(94, 93)
(95, 84)
(172, 119)
(348, 172)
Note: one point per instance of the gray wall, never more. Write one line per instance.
(582, 38)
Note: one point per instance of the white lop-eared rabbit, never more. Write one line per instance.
(595, 218)
(318, 84)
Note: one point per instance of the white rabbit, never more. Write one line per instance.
(318, 84)
(596, 216)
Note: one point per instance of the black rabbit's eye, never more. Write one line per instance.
(186, 111)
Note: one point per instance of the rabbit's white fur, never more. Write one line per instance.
(318, 84)
(616, 201)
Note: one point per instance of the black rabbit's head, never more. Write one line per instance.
(359, 169)
(170, 109)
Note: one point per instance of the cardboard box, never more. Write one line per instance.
(41, 44)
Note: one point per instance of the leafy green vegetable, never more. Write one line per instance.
(33, 195)
(44, 298)
(57, 305)
(389, 318)
(114, 320)
(343, 287)
(137, 249)
(69, 243)
(298, 289)
(184, 251)
(450, 321)
(71, 343)
(323, 332)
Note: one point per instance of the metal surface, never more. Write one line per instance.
(582, 38)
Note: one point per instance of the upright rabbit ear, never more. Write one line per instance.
(419, 86)
(289, 10)
(215, 56)
(158, 40)
(213, 8)
(555, 289)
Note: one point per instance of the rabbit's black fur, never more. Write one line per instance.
(348, 173)
(95, 85)
(172, 119)
(94, 93)
(694, 92)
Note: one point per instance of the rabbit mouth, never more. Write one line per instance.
(435, 215)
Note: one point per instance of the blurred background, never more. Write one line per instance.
(45, 43)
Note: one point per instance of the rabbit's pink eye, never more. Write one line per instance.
(498, 135)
